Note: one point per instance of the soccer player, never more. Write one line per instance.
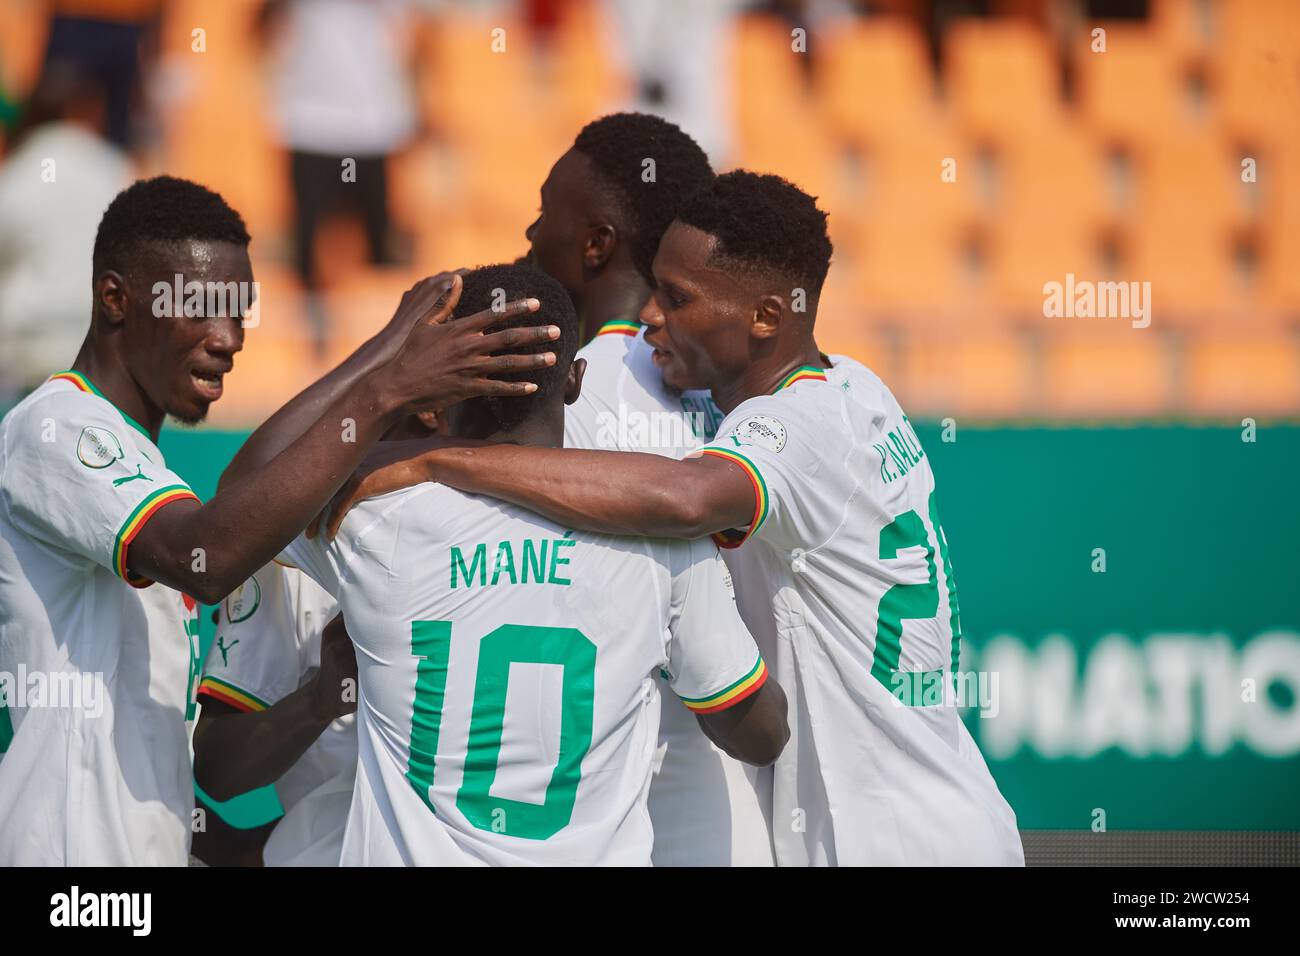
(276, 711)
(604, 208)
(819, 489)
(508, 708)
(99, 666)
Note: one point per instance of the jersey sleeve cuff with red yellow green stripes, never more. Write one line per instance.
(228, 693)
(735, 537)
(731, 696)
(135, 521)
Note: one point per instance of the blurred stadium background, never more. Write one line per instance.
(1121, 499)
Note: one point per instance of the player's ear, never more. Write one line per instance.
(601, 240)
(767, 316)
(573, 384)
(428, 420)
(111, 298)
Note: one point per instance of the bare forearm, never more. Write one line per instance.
(289, 423)
(606, 491)
(208, 551)
(235, 752)
(754, 731)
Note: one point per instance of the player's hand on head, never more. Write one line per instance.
(435, 295)
(444, 362)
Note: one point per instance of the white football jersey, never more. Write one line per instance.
(625, 405)
(267, 645)
(508, 711)
(844, 579)
(97, 669)
(705, 806)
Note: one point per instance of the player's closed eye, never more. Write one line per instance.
(667, 293)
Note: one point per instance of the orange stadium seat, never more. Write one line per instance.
(769, 82)
(841, 326)
(23, 28)
(904, 226)
(1258, 68)
(587, 74)
(1090, 369)
(471, 88)
(1243, 375)
(778, 128)
(217, 129)
(1181, 226)
(839, 334)
(1049, 215)
(874, 78)
(1187, 28)
(912, 227)
(1133, 91)
(1001, 78)
(363, 304)
(1280, 277)
(983, 373)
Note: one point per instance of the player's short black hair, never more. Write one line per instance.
(618, 146)
(493, 286)
(764, 222)
(162, 210)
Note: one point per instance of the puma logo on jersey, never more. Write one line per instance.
(138, 474)
(225, 649)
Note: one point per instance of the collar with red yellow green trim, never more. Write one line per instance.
(620, 327)
(80, 380)
(805, 373)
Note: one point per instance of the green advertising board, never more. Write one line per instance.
(1130, 611)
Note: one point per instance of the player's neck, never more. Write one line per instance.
(616, 295)
(544, 430)
(108, 373)
(765, 375)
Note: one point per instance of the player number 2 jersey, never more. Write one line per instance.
(844, 578)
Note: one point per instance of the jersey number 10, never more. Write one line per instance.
(506, 645)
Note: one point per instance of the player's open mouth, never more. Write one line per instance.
(660, 357)
(208, 384)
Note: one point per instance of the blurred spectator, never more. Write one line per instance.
(678, 52)
(344, 103)
(54, 185)
(105, 39)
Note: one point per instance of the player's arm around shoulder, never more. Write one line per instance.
(714, 665)
(608, 492)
